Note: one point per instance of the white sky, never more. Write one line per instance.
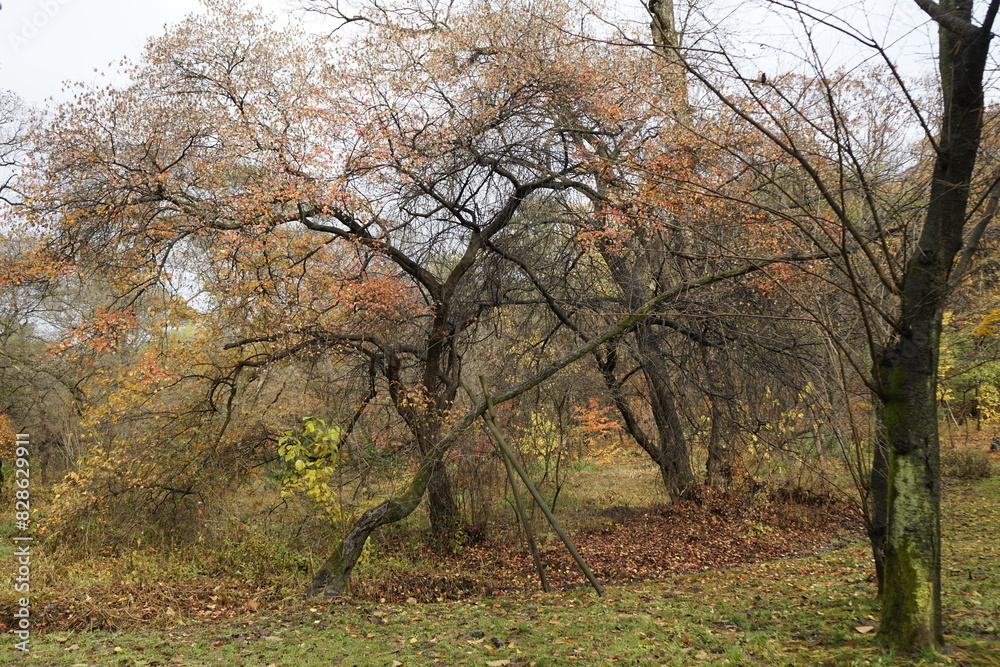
(46, 42)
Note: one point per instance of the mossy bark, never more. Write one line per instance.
(911, 571)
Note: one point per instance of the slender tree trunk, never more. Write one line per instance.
(724, 465)
(668, 449)
(723, 457)
(673, 457)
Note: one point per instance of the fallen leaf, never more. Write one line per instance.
(864, 629)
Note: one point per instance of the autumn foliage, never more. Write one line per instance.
(269, 276)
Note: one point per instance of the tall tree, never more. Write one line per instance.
(340, 202)
(906, 370)
(899, 268)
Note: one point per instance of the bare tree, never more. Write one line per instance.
(897, 263)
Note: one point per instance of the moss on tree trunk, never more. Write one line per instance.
(907, 370)
(911, 599)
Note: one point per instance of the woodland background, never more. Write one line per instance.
(254, 299)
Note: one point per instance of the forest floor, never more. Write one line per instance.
(779, 579)
(621, 544)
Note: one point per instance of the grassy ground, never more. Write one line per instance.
(809, 611)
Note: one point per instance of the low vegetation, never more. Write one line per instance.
(782, 581)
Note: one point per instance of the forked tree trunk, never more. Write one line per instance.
(668, 449)
(672, 451)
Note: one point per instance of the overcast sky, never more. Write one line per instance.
(46, 42)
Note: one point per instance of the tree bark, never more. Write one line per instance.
(669, 449)
(441, 505)
(723, 457)
(911, 585)
(672, 451)
(631, 271)
(667, 41)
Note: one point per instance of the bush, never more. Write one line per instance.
(968, 464)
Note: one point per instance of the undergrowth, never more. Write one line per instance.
(817, 610)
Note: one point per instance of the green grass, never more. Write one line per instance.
(809, 611)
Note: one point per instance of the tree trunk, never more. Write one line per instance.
(723, 458)
(907, 371)
(667, 40)
(442, 507)
(911, 587)
(669, 449)
(878, 495)
(673, 458)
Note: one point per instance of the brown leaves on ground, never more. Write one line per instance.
(620, 544)
(629, 544)
(120, 604)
